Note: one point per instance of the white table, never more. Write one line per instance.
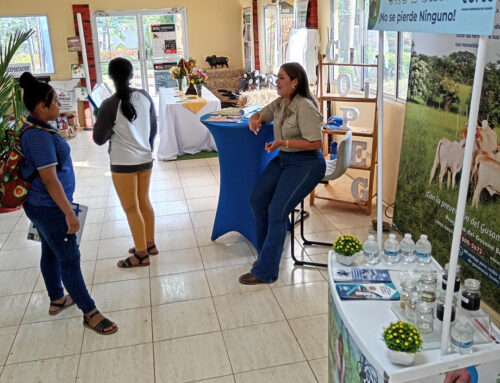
(364, 320)
(180, 130)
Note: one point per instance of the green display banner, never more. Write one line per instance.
(439, 93)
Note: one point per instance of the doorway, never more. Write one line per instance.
(152, 40)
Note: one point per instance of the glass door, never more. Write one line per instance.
(152, 40)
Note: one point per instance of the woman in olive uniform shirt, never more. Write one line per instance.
(292, 174)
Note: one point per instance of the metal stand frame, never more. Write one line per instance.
(302, 215)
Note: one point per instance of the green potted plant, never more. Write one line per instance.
(346, 249)
(12, 109)
(403, 341)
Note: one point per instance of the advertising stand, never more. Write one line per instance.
(356, 349)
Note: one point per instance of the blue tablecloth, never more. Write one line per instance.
(242, 159)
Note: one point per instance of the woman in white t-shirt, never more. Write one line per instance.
(128, 121)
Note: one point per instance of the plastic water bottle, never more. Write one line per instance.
(370, 249)
(407, 249)
(423, 250)
(462, 336)
(391, 249)
(333, 150)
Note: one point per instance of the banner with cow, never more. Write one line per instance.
(439, 95)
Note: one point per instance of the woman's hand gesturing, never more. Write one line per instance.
(255, 123)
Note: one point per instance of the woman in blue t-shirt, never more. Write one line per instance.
(48, 206)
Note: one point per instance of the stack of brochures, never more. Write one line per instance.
(233, 115)
(357, 283)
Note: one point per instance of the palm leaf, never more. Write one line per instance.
(11, 104)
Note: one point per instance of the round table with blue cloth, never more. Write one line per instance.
(242, 159)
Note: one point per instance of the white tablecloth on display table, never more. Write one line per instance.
(181, 131)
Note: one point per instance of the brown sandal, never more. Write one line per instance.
(100, 327)
(61, 306)
(152, 250)
(127, 263)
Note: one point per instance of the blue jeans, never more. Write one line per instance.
(60, 256)
(286, 181)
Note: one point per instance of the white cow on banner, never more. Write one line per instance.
(487, 170)
(450, 158)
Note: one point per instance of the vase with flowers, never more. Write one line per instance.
(346, 249)
(177, 74)
(197, 77)
(403, 341)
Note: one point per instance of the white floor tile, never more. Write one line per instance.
(182, 319)
(13, 308)
(57, 370)
(260, 346)
(175, 360)
(303, 299)
(179, 287)
(18, 281)
(176, 261)
(7, 335)
(249, 308)
(121, 295)
(120, 365)
(49, 339)
(297, 372)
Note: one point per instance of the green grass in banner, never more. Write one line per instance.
(424, 127)
(197, 156)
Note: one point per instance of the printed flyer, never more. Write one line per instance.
(164, 40)
(439, 97)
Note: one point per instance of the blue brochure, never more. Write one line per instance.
(355, 274)
(384, 291)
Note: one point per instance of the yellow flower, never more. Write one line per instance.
(406, 343)
(400, 331)
(402, 336)
(397, 340)
(390, 336)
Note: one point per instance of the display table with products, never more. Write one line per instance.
(357, 352)
(180, 129)
(242, 159)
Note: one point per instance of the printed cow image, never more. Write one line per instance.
(449, 157)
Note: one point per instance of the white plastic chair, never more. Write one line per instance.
(334, 169)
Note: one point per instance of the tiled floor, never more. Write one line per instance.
(183, 319)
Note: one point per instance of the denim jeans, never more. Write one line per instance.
(286, 181)
(60, 256)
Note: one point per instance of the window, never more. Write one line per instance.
(278, 21)
(357, 43)
(37, 50)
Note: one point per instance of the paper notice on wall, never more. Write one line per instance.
(65, 91)
(164, 40)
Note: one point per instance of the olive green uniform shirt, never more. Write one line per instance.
(303, 120)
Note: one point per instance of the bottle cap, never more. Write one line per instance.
(371, 237)
(408, 236)
(392, 236)
(423, 236)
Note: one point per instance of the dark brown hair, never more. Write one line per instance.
(296, 71)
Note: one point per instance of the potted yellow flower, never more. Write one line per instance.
(403, 341)
(346, 248)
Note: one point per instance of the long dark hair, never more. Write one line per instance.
(35, 91)
(121, 72)
(295, 71)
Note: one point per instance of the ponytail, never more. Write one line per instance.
(121, 72)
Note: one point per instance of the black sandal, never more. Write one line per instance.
(61, 306)
(127, 263)
(132, 250)
(101, 326)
